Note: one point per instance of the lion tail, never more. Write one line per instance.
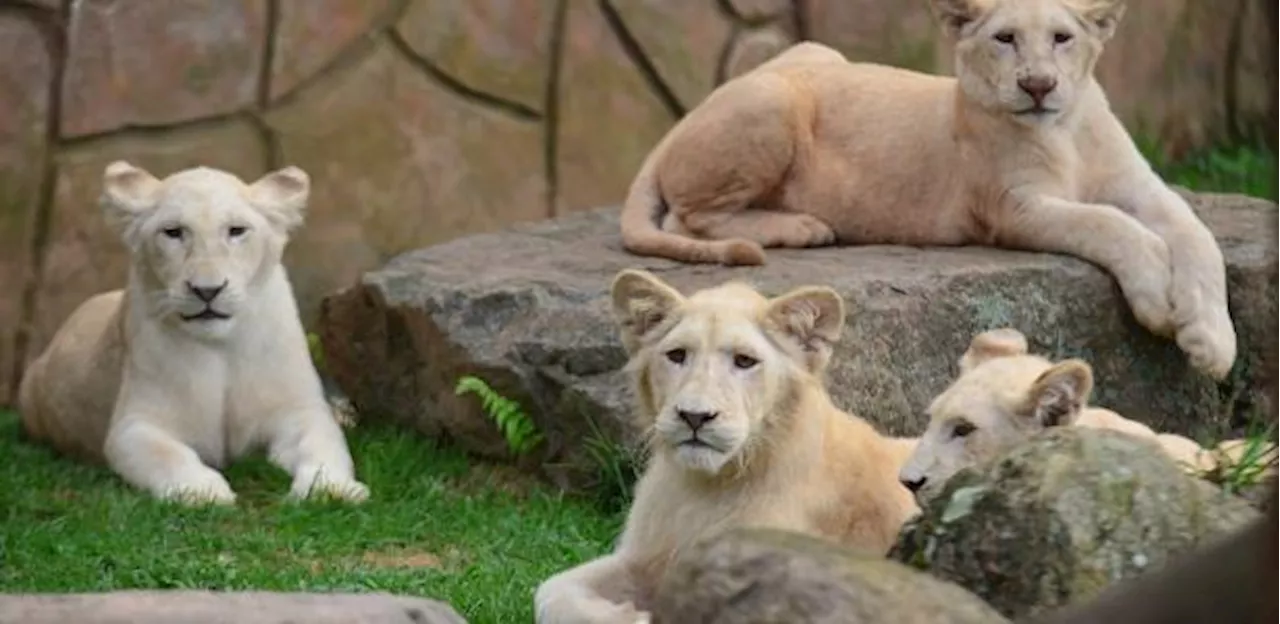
(643, 235)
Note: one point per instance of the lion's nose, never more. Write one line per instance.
(913, 484)
(206, 293)
(696, 420)
(1037, 86)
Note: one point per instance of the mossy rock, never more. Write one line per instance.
(768, 576)
(1058, 519)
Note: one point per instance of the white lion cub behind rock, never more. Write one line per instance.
(202, 357)
(730, 385)
(1004, 395)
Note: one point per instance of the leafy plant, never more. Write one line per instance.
(1257, 457)
(517, 427)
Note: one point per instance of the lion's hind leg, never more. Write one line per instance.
(729, 159)
(768, 228)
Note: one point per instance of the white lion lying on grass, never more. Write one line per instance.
(1004, 395)
(202, 357)
(730, 384)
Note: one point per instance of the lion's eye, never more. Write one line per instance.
(676, 356)
(1061, 37)
(1004, 36)
(172, 232)
(236, 231)
(744, 361)
(962, 429)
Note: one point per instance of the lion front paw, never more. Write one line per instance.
(1210, 345)
(629, 613)
(348, 490)
(210, 489)
(1147, 290)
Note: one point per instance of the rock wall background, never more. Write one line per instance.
(423, 120)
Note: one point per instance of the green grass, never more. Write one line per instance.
(438, 525)
(1242, 168)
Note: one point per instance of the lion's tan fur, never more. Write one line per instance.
(787, 457)
(1004, 395)
(202, 357)
(809, 149)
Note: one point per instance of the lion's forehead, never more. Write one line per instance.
(204, 208)
(989, 389)
(719, 330)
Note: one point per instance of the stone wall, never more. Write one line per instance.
(422, 120)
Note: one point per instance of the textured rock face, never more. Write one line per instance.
(1062, 517)
(131, 63)
(535, 323)
(416, 166)
(24, 118)
(766, 576)
(424, 120)
(202, 607)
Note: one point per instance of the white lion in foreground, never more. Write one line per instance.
(1004, 395)
(730, 385)
(1020, 150)
(202, 357)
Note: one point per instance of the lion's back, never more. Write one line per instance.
(67, 393)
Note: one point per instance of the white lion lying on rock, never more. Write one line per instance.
(730, 385)
(1004, 395)
(1020, 150)
(202, 357)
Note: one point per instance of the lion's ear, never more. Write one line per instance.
(813, 316)
(1104, 15)
(1059, 394)
(129, 193)
(954, 15)
(641, 302)
(282, 196)
(991, 344)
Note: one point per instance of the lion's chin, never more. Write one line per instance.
(207, 327)
(701, 457)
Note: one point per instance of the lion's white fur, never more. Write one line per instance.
(166, 382)
(809, 149)
(1004, 395)
(776, 452)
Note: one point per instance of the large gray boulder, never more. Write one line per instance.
(767, 576)
(206, 607)
(1060, 518)
(526, 309)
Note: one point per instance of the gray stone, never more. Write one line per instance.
(1059, 519)
(205, 607)
(525, 308)
(766, 576)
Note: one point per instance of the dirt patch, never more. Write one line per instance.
(405, 559)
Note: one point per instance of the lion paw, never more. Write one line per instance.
(1148, 290)
(809, 231)
(211, 489)
(629, 613)
(1210, 345)
(348, 490)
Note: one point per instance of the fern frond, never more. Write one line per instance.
(515, 425)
